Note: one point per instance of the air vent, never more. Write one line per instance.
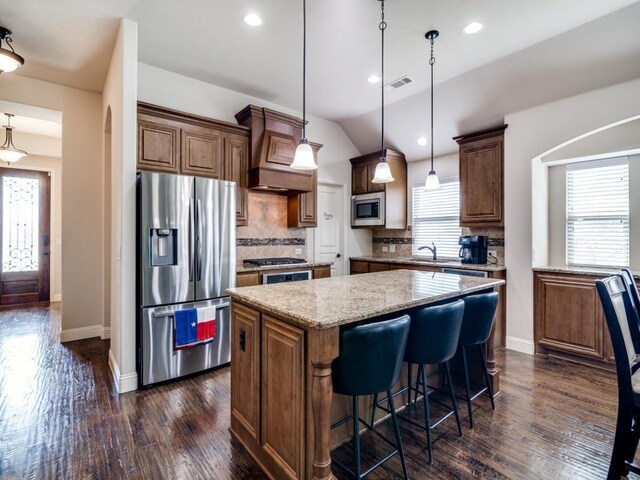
(399, 82)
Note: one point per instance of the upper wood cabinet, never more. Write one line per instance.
(363, 170)
(176, 142)
(302, 208)
(482, 178)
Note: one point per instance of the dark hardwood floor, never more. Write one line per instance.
(61, 418)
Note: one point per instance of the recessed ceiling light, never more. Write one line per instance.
(422, 141)
(473, 27)
(252, 19)
(373, 79)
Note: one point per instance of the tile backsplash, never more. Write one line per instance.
(267, 234)
(402, 241)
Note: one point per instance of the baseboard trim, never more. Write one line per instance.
(57, 298)
(80, 333)
(520, 345)
(106, 333)
(123, 383)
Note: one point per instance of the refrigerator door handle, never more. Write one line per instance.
(199, 240)
(191, 234)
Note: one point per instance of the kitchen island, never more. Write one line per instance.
(284, 338)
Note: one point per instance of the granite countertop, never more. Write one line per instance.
(330, 302)
(595, 271)
(485, 267)
(243, 268)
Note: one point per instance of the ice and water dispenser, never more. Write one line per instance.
(163, 246)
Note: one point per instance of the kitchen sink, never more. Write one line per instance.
(428, 260)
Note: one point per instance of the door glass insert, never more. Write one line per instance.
(20, 222)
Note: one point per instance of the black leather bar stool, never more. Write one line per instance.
(433, 339)
(369, 362)
(479, 311)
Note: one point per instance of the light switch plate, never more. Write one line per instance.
(298, 251)
(492, 253)
(385, 249)
(392, 248)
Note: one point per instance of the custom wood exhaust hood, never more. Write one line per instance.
(273, 141)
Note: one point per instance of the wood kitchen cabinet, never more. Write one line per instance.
(569, 319)
(481, 172)
(302, 208)
(250, 279)
(283, 394)
(363, 170)
(176, 142)
(245, 378)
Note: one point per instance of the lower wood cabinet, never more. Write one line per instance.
(245, 376)
(283, 394)
(569, 319)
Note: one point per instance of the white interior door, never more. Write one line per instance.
(330, 232)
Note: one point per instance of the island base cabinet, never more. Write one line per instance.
(282, 435)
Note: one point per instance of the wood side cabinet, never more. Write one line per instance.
(482, 178)
(302, 208)
(569, 320)
(176, 142)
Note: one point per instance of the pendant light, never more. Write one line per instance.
(8, 152)
(383, 172)
(303, 159)
(9, 59)
(432, 182)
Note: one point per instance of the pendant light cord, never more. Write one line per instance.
(304, 69)
(432, 60)
(382, 27)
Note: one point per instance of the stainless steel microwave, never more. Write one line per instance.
(368, 210)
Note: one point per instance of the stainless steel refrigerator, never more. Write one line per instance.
(186, 258)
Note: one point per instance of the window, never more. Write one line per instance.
(598, 213)
(436, 218)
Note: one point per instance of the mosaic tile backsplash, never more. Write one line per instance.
(267, 234)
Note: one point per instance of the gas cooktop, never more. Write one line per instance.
(261, 262)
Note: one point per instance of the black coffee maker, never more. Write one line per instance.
(473, 249)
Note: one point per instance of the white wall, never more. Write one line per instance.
(161, 87)
(532, 133)
(119, 98)
(81, 200)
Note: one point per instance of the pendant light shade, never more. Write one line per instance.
(383, 172)
(432, 183)
(303, 158)
(8, 152)
(9, 59)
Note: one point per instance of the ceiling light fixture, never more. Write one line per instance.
(373, 79)
(422, 141)
(8, 151)
(303, 159)
(473, 27)
(383, 172)
(9, 59)
(252, 19)
(432, 182)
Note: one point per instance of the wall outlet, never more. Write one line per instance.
(392, 248)
(385, 249)
(298, 251)
(492, 253)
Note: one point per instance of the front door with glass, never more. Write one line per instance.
(24, 242)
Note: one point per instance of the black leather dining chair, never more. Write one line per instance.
(369, 363)
(623, 329)
(479, 312)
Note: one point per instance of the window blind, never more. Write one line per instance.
(598, 213)
(436, 218)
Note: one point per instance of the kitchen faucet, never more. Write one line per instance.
(432, 250)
